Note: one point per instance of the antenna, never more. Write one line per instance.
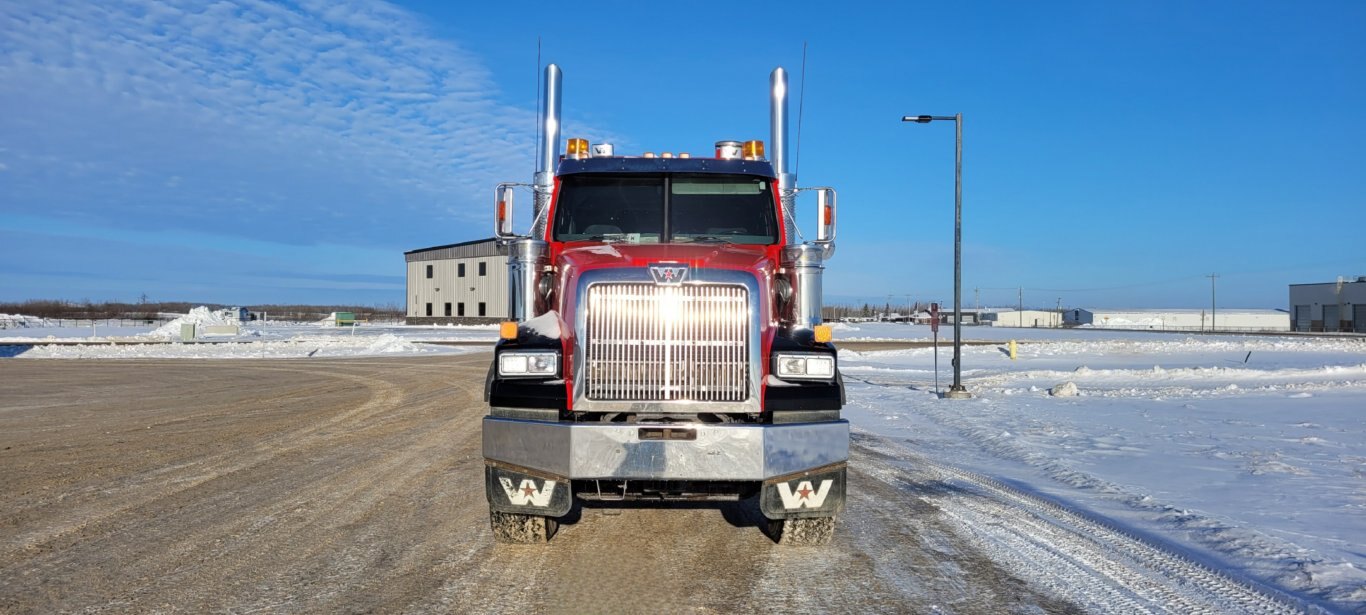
(801, 102)
(537, 117)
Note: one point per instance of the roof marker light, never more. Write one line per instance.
(754, 150)
(649, 154)
(577, 149)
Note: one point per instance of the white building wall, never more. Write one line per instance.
(446, 289)
(1184, 320)
(1023, 318)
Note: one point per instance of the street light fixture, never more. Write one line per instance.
(957, 391)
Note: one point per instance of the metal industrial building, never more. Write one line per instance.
(461, 283)
(1022, 318)
(1220, 319)
(1330, 306)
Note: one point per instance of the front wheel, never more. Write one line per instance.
(517, 528)
(814, 531)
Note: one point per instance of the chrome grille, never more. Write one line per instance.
(666, 343)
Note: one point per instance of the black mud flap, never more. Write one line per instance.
(517, 490)
(818, 492)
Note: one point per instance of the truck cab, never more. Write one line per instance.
(664, 341)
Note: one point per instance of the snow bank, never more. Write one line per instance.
(16, 321)
(200, 316)
(300, 348)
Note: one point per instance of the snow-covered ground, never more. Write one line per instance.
(1249, 451)
(253, 340)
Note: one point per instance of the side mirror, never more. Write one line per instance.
(825, 215)
(502, 216)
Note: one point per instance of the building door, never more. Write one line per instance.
(1331, 319)
(1359, 318)
(1302, 318)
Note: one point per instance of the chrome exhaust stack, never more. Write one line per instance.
(804, 263)
(547, 151)
(777, 124)
(529, 257)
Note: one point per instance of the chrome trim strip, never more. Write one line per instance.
(699, 276)
(615, 451)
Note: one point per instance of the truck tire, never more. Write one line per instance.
(803, 532)
(516, 528)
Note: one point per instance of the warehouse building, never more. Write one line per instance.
(461, 283)
(1330, 306)
(1221, 319)
(1022, 318)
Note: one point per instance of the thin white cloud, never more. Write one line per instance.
(343, 119)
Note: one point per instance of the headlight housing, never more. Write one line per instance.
(804, 366)
(529, 364)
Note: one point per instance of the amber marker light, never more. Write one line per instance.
(577, 148)
(754, 150)
(508, 330)
(824, 334)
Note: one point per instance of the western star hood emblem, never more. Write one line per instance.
(669, 274)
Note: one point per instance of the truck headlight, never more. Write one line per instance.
(805, 366)
(542, 363)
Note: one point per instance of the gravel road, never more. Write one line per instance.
(355, 485)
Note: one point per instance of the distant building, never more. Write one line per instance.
(1221, 319)
(1022, 318)
(1330, 306)
(461, 283)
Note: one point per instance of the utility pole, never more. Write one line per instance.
(1059, 311)
(1019, 309)
(977, 298)
(1211, 277)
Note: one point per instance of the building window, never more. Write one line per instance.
(460, 270)
(429, 309)
(460, 306)
(481, 307)
(429, 272)
(483, 268)
(448, 308)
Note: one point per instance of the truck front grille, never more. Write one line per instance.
(667, 343)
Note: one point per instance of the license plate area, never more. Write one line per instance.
(652, 434)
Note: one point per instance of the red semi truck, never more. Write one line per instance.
(665, 338)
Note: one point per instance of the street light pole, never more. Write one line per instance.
(957, 391)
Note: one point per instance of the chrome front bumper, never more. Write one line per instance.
(616, 451)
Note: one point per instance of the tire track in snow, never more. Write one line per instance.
(1085, 558)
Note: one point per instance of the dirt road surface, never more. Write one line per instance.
(355, 485)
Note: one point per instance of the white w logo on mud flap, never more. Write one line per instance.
(804, 496)
(527, 494)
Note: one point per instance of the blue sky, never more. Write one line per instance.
(1114, 153)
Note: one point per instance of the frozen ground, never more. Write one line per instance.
(1247, 451)
(1254, 462)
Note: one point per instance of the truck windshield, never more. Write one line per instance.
(665, 209)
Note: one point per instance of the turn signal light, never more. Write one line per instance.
(824, 334)
(754, 150)
(508, 330)
(577, 149)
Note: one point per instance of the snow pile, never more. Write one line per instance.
(16, 321)
(1066, 389)
(327, 321)
(200, 316)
